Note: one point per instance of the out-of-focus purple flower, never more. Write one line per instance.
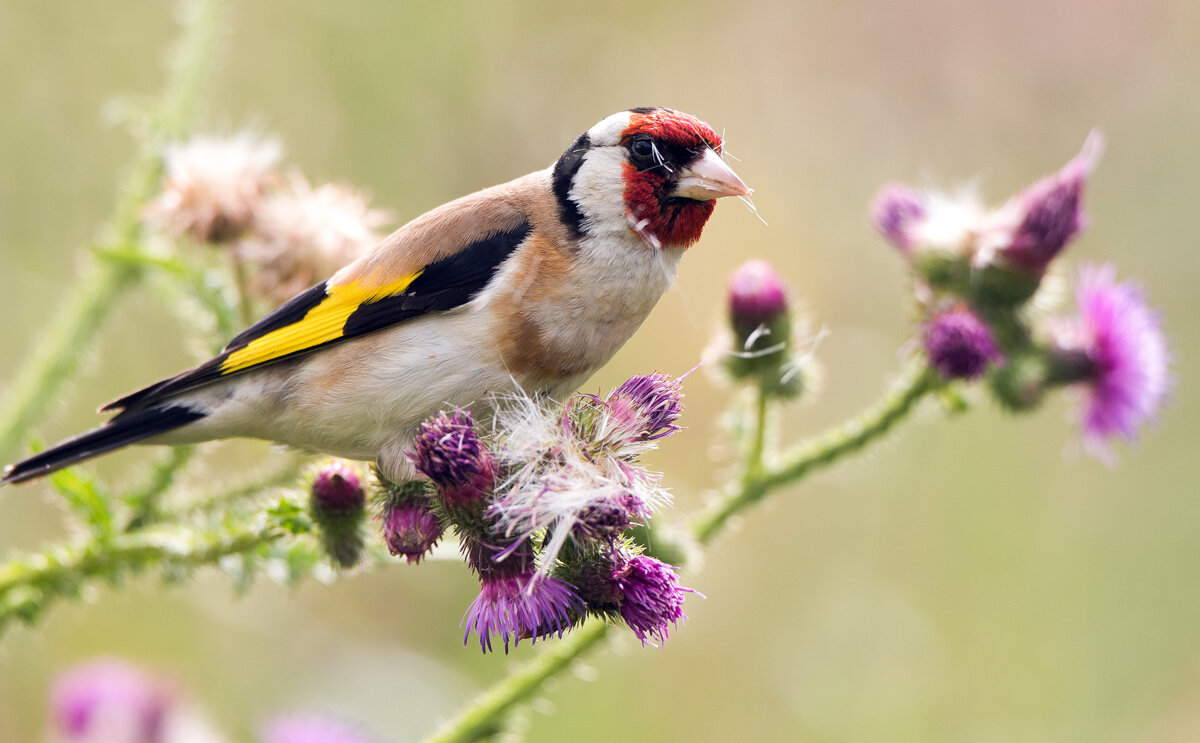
(311, 729)
(650, 404)
(757, 295)
(1128, 372)
(110, 701)
(515, 607)
(449, 452)
(894, 210)
(304, 234)
(214, 186)
(338, 489)
(652, 598)
(338, 508)
(959, 345)
(1048, 214)
(411, 529)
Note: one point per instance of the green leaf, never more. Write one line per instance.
(290, 516)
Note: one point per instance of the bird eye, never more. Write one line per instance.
(642, 149)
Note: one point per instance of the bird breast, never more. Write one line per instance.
(560, 315)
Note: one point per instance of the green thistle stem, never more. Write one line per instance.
(241, 282)
(820, 451)
(144, 501)
(71, 331)
(484, 717)
(28, 584)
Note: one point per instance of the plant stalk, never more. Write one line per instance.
(485, 715)
(69, 333)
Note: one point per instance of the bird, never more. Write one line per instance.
(530, 285)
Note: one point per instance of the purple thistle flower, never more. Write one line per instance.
(651, 598)
(1050, 212)
(894, 210)
(1122, 338)
(515, 607)
(411, 529)
(311, 729)
(960, 345)
(110, 700)
(449, 452)
(757, 295)
(337, 489)
(653, 401)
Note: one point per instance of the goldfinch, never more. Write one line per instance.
(532, 285)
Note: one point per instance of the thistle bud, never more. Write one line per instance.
(960, 345)
(1048, 214)
(606, 519)
(760, 317)
(757, 297)
(896, 208)
(338, 506)
(410, 528)
(449, 452)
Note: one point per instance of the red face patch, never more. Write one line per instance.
(656, 216)
(675, 127)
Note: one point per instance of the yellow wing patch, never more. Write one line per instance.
(321, 324)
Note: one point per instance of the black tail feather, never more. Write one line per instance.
(125, 429)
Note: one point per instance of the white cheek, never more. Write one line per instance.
(599, 191)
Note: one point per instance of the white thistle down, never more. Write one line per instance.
(304, 234)
(214, 185)
(565, 464)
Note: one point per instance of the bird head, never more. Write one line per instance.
(654, 172)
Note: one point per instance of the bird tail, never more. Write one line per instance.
(126, 428)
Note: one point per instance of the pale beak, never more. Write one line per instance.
(709, 178)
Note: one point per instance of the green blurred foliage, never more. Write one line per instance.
(970, 581)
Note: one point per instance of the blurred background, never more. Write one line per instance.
(971, 580)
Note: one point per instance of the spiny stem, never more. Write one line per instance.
(209, 502)
(758, 433)
(482, 718)
(241, 284)
(144, 501)
(69, 333)
(819, 451)
(29, 583)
